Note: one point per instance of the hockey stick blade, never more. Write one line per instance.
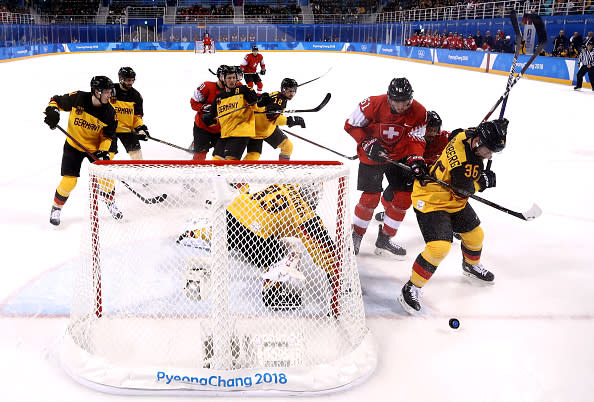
(212, 72)
(531, 214)
(352, 158)
(315, 109)
(151, 200)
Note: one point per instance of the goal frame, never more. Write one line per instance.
(199, 47)
(114, 378)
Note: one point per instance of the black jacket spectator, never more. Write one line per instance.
(562, 40)
(577, 41)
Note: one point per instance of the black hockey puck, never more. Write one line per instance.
(454, 323)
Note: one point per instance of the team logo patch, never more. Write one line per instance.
(79, 110)
(420, 205)
(390, 133)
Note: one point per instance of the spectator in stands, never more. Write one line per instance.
(588, 39)
(498, 43)
(184, 38)
(559, 51)
(252, 37)
(488, 41)
(576, 40)
(562, 40)
(572, 52)
(508, 45)
(234, 37)
(308, 37)
(478, 38)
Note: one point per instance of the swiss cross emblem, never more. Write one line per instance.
(390, 133)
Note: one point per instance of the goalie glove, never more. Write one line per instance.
(142, 133)
(263, 71)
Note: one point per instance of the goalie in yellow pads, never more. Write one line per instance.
(268, 229)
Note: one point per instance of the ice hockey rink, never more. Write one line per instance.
(527, 338)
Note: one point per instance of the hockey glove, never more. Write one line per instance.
(373, 149)
(417, 166)
(102, 155)
(265, 99)
(52, 117)
(486, 180)
(295, 121)
(208, 115)
(142, 133)
(263, 71)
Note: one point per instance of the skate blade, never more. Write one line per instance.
(385, 253)
(406, 307)
(476, 281)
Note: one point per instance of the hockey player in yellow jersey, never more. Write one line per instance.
(441, 211)
(128, 105)
(267, 123)
(267, 228)
(92, 123)
(234, 108)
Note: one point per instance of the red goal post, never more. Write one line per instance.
(199, 47)
(166, 299)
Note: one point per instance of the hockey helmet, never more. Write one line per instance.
(126, 72)
(225, 70)
(493, 134)
(100, 83)
(433, 119)
(288, 83)
(254, 48)
(400, 90)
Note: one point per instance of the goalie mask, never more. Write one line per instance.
(311, 194)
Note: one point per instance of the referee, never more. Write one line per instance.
(586, 60)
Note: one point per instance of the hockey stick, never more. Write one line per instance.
(236, 110)
(315, 109)
(170, 144)
(532, 213)
(541, 33)
(307, 82)
(152, 200)
(352, 158)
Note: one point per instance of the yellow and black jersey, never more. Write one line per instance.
(280, 211)
(128, 106)
(457, 166)
(242, 122)
(92, 126)
(267, 122)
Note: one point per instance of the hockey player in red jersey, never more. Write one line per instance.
(436, 140)
(206, 137)
(207, 44)
(393, 125)
(249, 65)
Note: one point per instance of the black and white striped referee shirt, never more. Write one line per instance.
(586, 57)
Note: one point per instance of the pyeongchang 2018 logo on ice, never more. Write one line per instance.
(218, 381)
(458, 58)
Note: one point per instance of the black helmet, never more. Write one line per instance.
(433, 119)
(288, 83)
(400, 90)
(101, 82)
(492, 134)
(223, 70)
(126, 72)
(254, 48)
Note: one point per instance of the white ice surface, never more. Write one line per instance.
(528, 338)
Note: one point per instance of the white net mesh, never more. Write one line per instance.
(217, 267)
(199, 47)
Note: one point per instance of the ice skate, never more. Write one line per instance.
(478, 273)
(283, 283)
(55, 216)
(409, 298)
(380, 216)
(114, 211)
(356, 241)
(385, 246)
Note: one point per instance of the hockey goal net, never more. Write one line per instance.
(199, 47)
(220, 276)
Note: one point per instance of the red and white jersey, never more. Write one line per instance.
(206, 41)
(434, 148)
(203, 95)
(400, 134)
(249, 64)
